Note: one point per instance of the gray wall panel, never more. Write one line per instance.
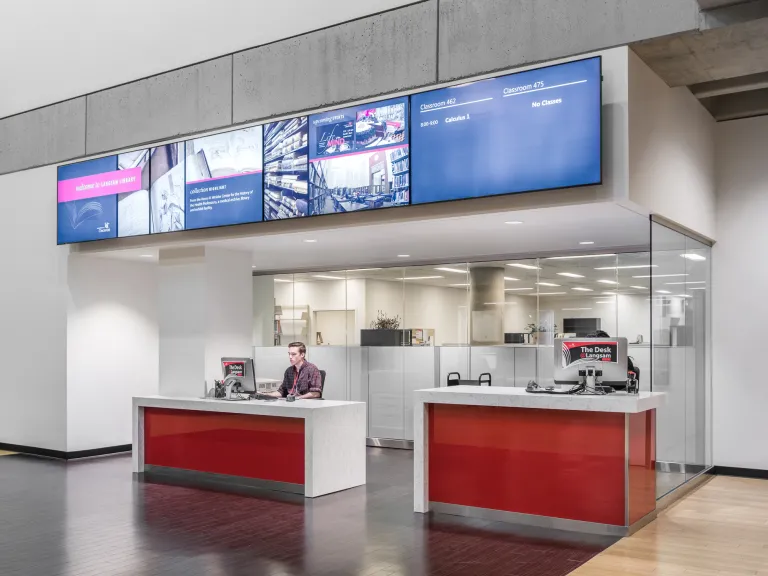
(376, 55)
(191, 99)
(43, 136)
(482, 36)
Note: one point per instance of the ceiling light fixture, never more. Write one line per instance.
(403, 255)
(524, 266)
(628, 267)
(513, 222)
(605, 302)
(607, 282)
(583, 289)
(684, 283)
(548, 284)
(310, 241)
(661, 276)
(693, 257)
(516, 289)
(549, 294)
(510, 279)
(325, 277)
(458, 285)
(283, 280)
(587, 243)
(570, 275)
(454, 270)
(361, 270)
(578, 257)
(150, 256)
(663, 292)
(575, 309)
(421, 278)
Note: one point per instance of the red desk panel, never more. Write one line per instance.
(642, 465)
(262, 447)
(556, 463)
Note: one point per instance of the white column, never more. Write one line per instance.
(206, 312)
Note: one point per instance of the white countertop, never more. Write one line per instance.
(518, 398)
(297, 409)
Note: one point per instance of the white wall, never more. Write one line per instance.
(33, 313)
(740, 283)
(671, 151)
(263, 310)
(112, 348)
(100, 44)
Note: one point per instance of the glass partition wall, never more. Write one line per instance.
(381, 333)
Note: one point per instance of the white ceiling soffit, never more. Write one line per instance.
(486, 236)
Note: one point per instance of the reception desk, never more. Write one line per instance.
(583, 463)
(309, 447)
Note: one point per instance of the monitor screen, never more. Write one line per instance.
(534, 130)
(359, 158)
(286, 146)
(103, 198)
(224, 179)
(166, 190)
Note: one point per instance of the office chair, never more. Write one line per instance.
(322, 382)
(454, 379)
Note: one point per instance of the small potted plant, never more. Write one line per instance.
(384, 331)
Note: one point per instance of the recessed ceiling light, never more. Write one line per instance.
(326, 277)
(421, 278)
(516, 289)
(524, 266)
(684, 283)
(577, 257)
(583, 289)
(458, 285)
(661, 276)
(663, 292)
(575, 309)
(607, 282)
(310, 241)
(360, 270)
(500, 303)
(549, 294)
(694, 257)
(628, 267)
(150, 256)
(683, 296)
(588, 243)
(697, 288)
(454, 270)
(639, 287)
(548, 284)
(510, 279)
(513, 222)
(609, 294)
(403, 255)
(570, 275)
(283, 280)
(605, 302)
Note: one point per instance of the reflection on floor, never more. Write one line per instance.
(4, 453)
(92, 518)
(720, 529)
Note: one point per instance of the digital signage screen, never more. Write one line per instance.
(359, 158)
(286, 146)
(224, 179)
(103, 198)
(166, 189)
(533, 130)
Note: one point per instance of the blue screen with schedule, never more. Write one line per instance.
(534, 130)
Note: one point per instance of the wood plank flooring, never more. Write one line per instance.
(719, 530)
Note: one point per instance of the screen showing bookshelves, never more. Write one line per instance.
(285, 168)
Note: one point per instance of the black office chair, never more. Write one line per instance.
(322, 382)
(454, 379)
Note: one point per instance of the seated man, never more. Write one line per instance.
(302, 378)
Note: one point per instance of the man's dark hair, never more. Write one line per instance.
(300, 346)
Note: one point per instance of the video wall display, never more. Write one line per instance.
(359, 158)
(224, 179)
(286, 149)
(166, 189)
(103, 198)
(533, 130)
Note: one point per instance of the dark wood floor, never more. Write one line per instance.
(92, 518)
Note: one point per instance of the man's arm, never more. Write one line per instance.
(282, 391)
(315, 387)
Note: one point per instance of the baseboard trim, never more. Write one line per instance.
(61, 455)
(740, 472)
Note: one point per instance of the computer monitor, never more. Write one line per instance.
(243, 369)
(606, 354)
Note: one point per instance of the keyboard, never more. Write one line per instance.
(266, 397)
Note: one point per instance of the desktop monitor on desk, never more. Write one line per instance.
(606, 354)
(243, 369)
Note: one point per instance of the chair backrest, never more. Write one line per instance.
(322, 382)
(485, 378)
(454, 379)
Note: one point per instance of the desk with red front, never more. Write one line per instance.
(583, 463)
